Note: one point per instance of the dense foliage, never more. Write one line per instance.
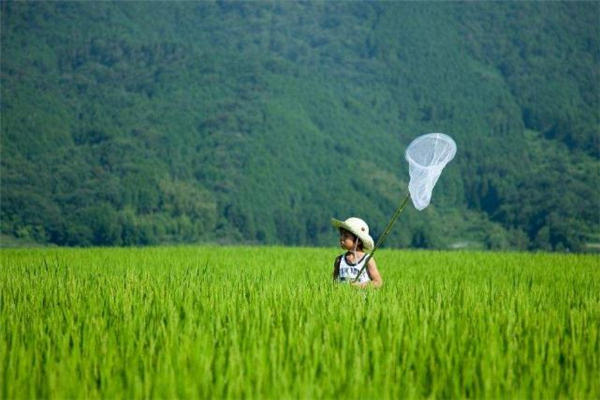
(133, 123)
(214, 323)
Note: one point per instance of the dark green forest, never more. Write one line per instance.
(141, 123)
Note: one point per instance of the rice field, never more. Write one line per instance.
(267, 323)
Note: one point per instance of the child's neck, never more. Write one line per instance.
(359, 253)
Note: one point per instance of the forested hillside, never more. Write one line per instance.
(134, 123)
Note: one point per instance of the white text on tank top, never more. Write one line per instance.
(348, 271)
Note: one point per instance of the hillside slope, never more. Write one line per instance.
(128, 123)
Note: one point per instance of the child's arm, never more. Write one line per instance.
(374, 274)
(336, 268)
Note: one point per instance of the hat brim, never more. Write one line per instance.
(367, 240)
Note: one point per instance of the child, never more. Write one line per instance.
(355, 239)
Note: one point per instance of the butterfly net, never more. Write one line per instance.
(427, 156)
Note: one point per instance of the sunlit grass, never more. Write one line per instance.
(262, 323)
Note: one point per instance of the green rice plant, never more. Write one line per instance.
(266, 323)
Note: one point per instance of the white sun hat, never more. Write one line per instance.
(358, 227)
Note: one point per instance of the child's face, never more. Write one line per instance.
(347, 240)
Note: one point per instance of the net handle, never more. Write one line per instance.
(383, 236)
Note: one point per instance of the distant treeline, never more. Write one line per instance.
(255, 122)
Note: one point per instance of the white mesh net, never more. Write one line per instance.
(427, 156)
